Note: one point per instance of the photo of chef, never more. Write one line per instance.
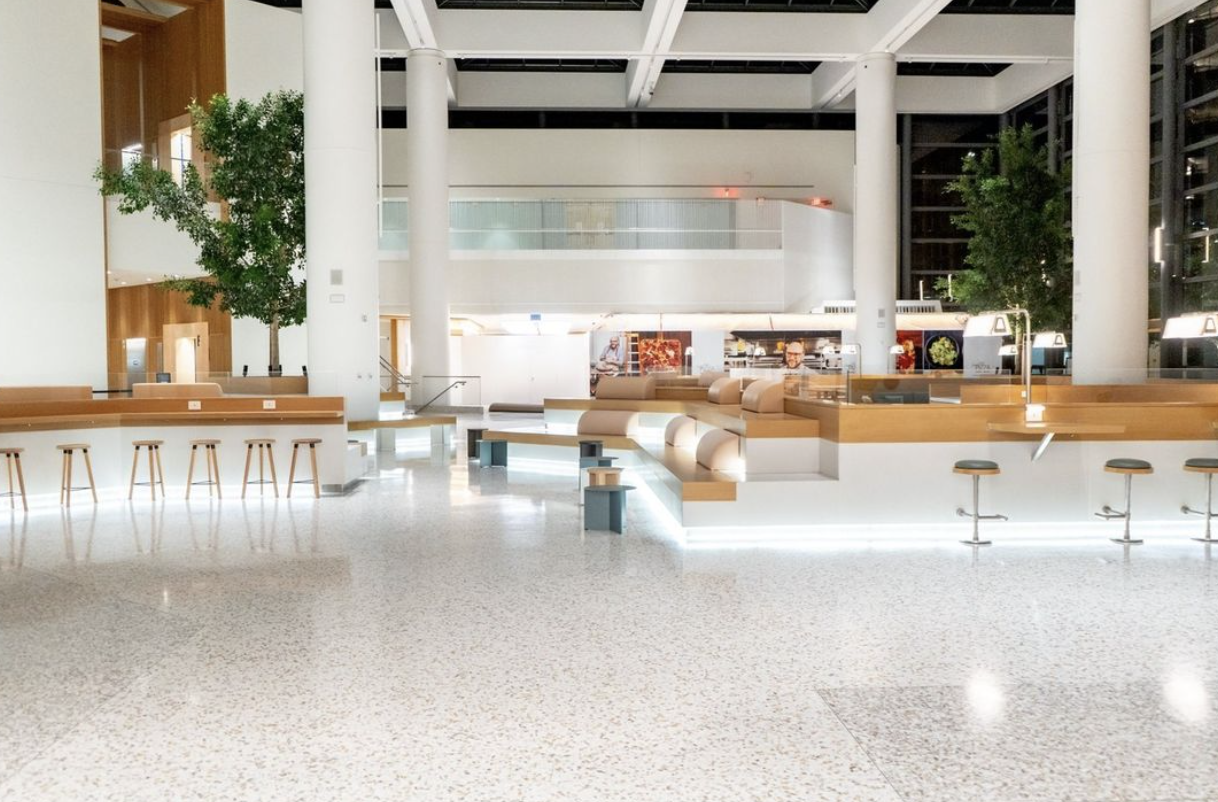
(910, 357)
(609, 357)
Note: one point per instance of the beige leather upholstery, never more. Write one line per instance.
(681, 431)
(708, 377)
(724, 391)
(165, 390)
(608, 422)
(626, 388)
(763, 396)
(26, 395)
(719, 450)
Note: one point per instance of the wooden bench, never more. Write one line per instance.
(386, 430)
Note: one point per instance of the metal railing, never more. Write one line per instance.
(626, 224)
(397, 381)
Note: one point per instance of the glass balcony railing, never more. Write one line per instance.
(631, 224)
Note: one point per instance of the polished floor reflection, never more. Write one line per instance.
(446, 633)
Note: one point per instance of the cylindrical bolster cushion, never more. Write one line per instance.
(681, 431)
(166, 390)
(608, 422)
(763, 396)
(724, 391)
(719, 450)
(626, 388)
(709, 377)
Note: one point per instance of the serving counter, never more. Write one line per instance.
(110, 425)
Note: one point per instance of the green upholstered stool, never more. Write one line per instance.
(605, 507)
(977, 468)
(493, 453)
(1128, 468)
(1209, 467)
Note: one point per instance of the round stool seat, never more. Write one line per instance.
(12, 450)
(207, 442)
(1197, 465)
(73, 447)
(306, 441)
(1127, 465)
(260, 441)
(138, 443)
(980, 467)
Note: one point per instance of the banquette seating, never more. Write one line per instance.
(608, 422)
(626, 388)
(763, 396)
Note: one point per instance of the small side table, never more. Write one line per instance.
(592, 462)
(591, 448)
(472, 438)
(493, 453)
(605, 507)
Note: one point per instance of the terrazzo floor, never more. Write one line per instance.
(445, 633)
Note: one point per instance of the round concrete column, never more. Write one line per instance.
(1111, 190)
(875, 209)
(341, 203)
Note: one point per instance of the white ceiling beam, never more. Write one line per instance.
(661, 18)
(1003, 39)
(569, 90)
(887, 28)
(733, 91)
(1020, 82)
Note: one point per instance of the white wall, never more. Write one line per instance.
(601, 281)
(818, 248)
(264, 50)
(612, 163)
(527, 369)
(52, 269)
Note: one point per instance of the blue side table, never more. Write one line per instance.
(493, 453)
(605, 507)
(593, 462)
(591, 448)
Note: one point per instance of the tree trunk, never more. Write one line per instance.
(273, 366)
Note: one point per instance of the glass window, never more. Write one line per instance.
(180, 143)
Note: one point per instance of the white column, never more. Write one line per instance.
(1111, 189)
(341, 203)
(875, 209)
(427, 177)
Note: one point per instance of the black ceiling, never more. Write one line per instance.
(949, 69)
(540, 65)
(763, 67)
(812, 6)
(1010, 7)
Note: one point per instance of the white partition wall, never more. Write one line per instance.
(52, 268)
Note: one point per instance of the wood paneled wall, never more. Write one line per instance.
(151, 77)
(144, 311)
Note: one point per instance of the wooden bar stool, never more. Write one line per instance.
(155, 473)
(1205, 465)
(213, 467)
(264, 445)
(65, 483)
(312, 443)
(977, 468)
(1128, 468)
(12, 458)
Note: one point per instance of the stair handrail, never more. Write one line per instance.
(436, 397)
(395, 374)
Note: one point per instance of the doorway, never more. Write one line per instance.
(186, 352)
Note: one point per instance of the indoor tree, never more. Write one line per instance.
(253, 252)
(1019, 251)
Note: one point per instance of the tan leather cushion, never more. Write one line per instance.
(165, 390)
(708, 377)
(719, 450)
(25, 395)
(724, 391)
(609, 422)
(626, 388)
(763, 396)
(681, 431)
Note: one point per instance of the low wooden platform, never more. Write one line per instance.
(678, 468)
(422, 422)
(127, 412)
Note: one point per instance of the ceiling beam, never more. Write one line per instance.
(888, 27)
(661, 18)
(416, 18)
(131, 20)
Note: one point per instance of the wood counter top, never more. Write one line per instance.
(120, 412)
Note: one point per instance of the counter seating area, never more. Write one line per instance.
(174, 417)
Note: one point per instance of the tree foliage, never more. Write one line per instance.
(1020, 247)
(253, 253)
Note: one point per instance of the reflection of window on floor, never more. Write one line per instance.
(179, 153)
(132, 154)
